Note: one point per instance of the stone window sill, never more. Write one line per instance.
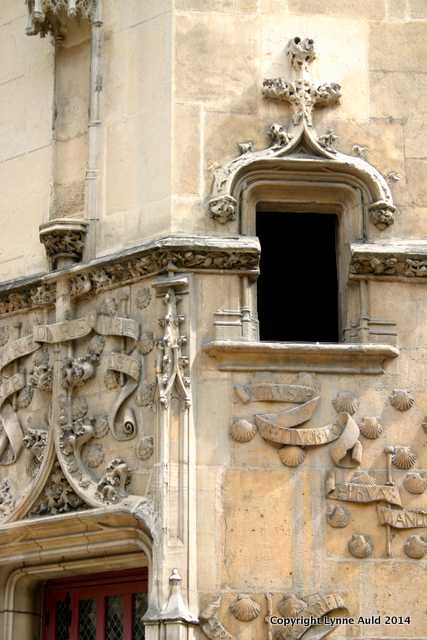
(363, 359)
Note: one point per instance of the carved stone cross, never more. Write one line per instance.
(301, 93)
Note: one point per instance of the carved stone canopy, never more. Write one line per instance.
(48, 16)
(297, 152)
(64, 240)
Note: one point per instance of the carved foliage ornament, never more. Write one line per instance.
(68, 436)
(150, 261)
(299, 143)
(47, 16)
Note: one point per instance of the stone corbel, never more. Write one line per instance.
(64, 241)
(49, 16)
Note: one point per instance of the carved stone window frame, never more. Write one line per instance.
(311, 193)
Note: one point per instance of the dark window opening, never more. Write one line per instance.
(297, 288)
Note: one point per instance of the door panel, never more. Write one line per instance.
(104, 607)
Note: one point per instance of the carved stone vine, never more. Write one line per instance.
(112, 486)
(57, 496)
(35, 440)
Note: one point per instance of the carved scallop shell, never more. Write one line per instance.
(360, 546)
(424, 424)
(244, 608)
(346, 402)
(371, 428)
(362, 477)
(403, 458)
(242, 430)
(145, 448)
(338, 516)
(415, 482)
(415, 547)
(290, 605)
(401, 399)
(291, 456)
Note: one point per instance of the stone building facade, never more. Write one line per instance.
(201, 424)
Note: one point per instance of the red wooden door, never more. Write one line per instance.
(105, 606)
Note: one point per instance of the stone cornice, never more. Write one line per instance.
(288, 356)
(393, 261)
(175, 253)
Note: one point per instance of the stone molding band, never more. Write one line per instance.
(393, 261)
(171, 253)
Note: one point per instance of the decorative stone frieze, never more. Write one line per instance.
(63, 240)
(390, 261)
(48, 16)
(187, 253)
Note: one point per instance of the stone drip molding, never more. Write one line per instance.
(49, 16)
(172, 253)
(297, 151)
(391, 261)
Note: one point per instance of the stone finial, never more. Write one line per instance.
(64, 241)
(302, 93)
(176, 609)
(301, 53)
(47, 16)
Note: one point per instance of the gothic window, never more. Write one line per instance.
(108, 606)
(297, 289)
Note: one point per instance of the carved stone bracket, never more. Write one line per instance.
(48, 16)
(64, 241)
(298, 150)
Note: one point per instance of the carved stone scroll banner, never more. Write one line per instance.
(317, 607)
(290, 417)
(347, 451)
(11, 385)
(17, 349)
(74, 329)
(403, 518)
(131, 367)
(363, 493)
(11, 434)
(299, 437)
(268, 392)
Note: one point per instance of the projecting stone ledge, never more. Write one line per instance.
(364, 359)
(393, 261)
